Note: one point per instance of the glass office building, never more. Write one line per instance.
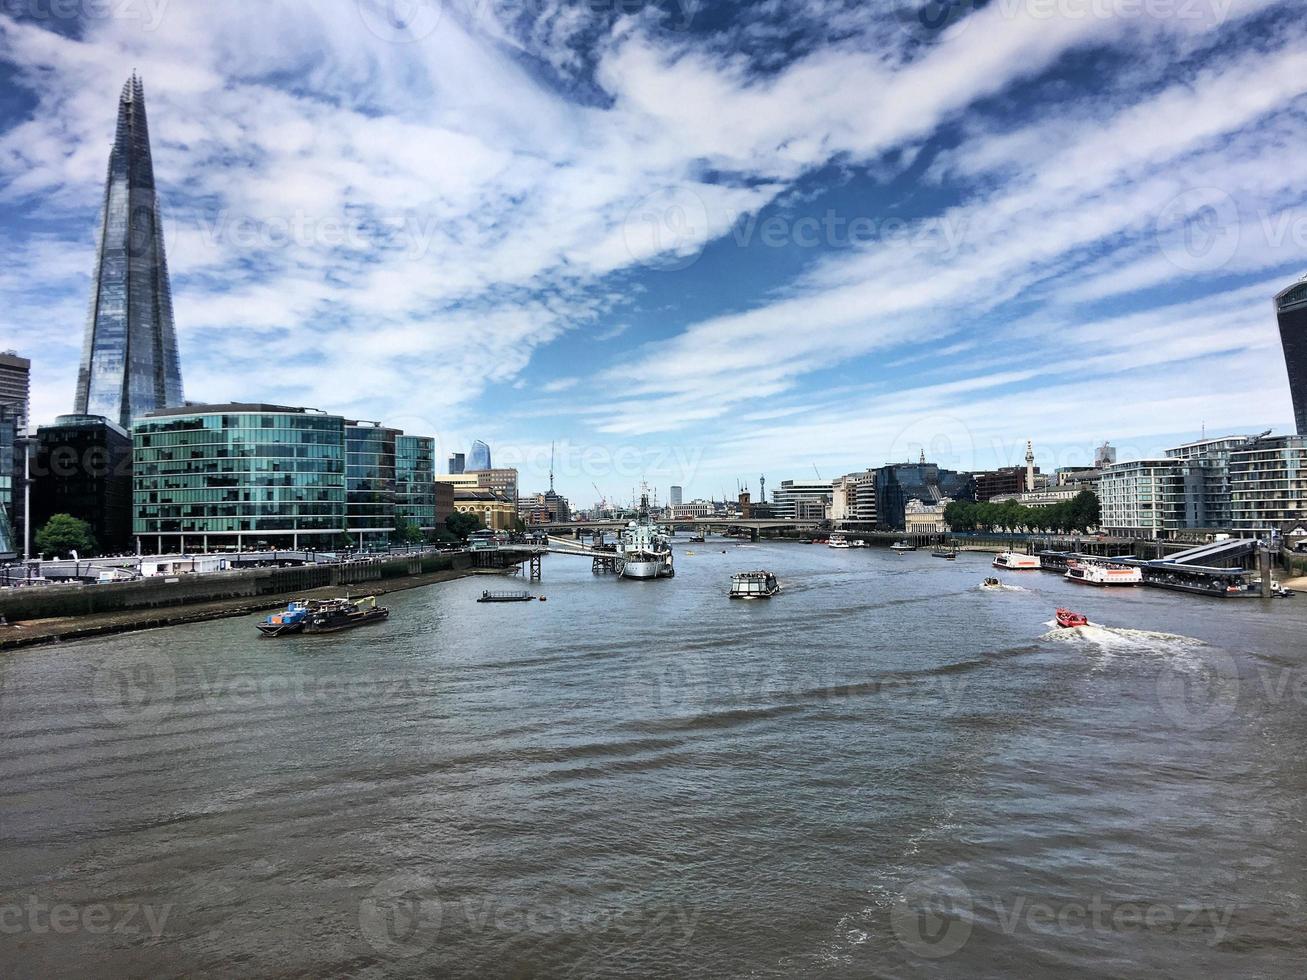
(478, 458)
(10, 463)
(898, 483)
(83, 467)
(129, 361)
(1291, 311)
(415, 474)
(238, 476)
(370, 481)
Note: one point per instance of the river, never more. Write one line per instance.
(885, 771)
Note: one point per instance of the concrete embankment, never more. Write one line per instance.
(43, 614)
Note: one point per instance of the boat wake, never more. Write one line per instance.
(1000, 588)
(1111, 638)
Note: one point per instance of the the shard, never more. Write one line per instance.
(129, 358)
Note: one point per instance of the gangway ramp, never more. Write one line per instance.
(1212, 555)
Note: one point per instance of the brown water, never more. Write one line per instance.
(885, 771)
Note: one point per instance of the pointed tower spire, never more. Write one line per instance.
(130, 363)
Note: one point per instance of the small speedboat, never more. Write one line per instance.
(991, 583)
(1069, 620)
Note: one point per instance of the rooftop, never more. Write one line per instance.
(192, 408)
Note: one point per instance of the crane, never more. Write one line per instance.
(603, 501)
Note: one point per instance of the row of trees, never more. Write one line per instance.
(1080, 513)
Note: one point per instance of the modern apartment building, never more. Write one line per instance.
(1268, 483)
(1141, 498)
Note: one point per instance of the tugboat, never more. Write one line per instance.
(288, 621)
(333, 615)
(1069, 620)
(754, 585)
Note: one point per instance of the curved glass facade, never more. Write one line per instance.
(1291, 310)
(478, 458)
(251, 475)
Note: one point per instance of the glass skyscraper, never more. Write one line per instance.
(129, 363)
(1291, 310)
(479, 457)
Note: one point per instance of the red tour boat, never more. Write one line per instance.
(1070, 620)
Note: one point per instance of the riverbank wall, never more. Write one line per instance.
(42, 614)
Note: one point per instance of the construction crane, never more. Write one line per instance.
(603, 501)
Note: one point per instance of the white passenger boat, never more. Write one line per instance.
(644, 549)
(1103, 573)
(837, 540)
(1017, 562)
(902, 546)
(754, 585)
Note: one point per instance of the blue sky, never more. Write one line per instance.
(687, 242)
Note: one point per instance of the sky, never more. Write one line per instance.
(686, 242)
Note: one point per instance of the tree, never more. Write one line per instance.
(1084, 511)
(407, 532)
(63, 534)
(461, 525)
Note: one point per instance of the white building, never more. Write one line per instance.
(803, 500)
(1142, 498)
(695, 508)
(853, 498)
(923, 518)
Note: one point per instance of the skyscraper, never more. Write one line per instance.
(675, 498)
(457, 461)
(129, 356)
(1291, 310)
(15, 386)
(478, 458)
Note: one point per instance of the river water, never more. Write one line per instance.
(883, 772)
